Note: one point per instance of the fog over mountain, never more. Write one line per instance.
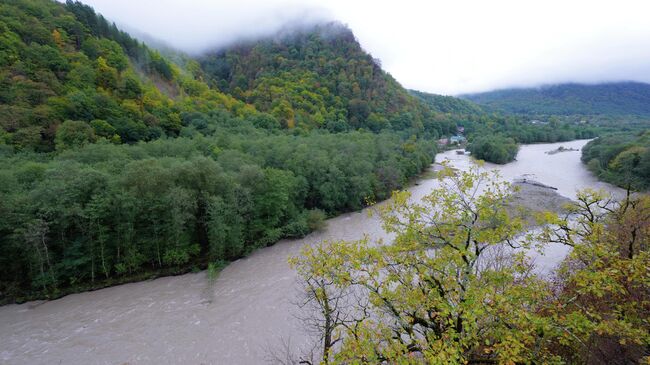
(444, 47)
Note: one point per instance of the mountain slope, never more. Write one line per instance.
(448, 104)
(622, 98)
(63, 62)
(318, 76)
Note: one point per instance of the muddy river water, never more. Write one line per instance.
(236, 319)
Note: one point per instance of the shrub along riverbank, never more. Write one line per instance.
(621, 158)
(494, 148)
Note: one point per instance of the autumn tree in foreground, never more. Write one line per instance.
(601, 300)
(455, 286)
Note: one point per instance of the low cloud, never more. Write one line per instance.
(447, 47)
(198, 25)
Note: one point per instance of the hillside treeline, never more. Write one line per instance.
(622, 159)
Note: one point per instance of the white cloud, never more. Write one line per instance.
(446, 47)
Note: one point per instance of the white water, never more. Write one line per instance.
(185, 320)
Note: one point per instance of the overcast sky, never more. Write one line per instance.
(446, 47)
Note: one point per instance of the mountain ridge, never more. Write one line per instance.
(608, 98)
(447, 103)
(326, 76)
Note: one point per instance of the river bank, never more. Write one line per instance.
(244, 312)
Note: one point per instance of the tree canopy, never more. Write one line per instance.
(100, 213)
(621, 158)
(493, 148)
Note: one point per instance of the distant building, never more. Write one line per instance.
(460, 129)
(456, 139)
(537, 121)
(443, 141)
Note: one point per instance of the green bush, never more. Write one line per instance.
(494, 148)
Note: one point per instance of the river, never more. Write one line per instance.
(247, 310)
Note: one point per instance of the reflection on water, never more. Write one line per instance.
(183, 319)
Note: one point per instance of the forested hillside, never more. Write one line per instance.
(118, 164)
(64, 62)
(620, 99)
(320, 77)
(620, 158)
(448, 104)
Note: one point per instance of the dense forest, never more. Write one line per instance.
(523, 131)
(448, 104)
(618, 99)
(494, 148)
(104, 213)
(621, 158)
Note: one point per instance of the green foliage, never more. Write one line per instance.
(214, 268)
(102, 128)
(455, 285)
(316, 219)
(180, 255)
(72, 134)
(110, 51)
(448, 104)
(319, 77)
(522, 130)
(621, 99)
(601, 303)
(434, 294)
(621, 158)
(26, 139)
(493, 148)
(107, 212)
(63, 62)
